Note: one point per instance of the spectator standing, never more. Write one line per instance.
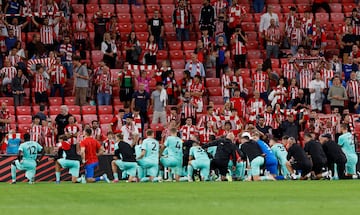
(4, 120)
(81, 81)
(150, 51)
(207, 17)
(195, 67)
(58, 78)
(17, 87)
(100, 27)
(337, 95)
(238, 45)
(109, 49)
(133, 49)
(158, 102)
(156, 28)
(80, 34)
(126, 83)
(62, 119)
(273, 39)
(41, 84)
(265, 20)
(66, 52)
(141, 101)
(104, 82)
(47, 32)
(182, 21)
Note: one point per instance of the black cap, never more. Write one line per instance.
(326, 136)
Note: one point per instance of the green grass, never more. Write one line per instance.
(282, 197)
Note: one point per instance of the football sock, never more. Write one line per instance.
(57, 176)
(13, 172)
(190, 170)
(145, 179)
(116, 176)
(78, 180)
(101, 178)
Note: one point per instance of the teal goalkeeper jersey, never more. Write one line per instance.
(151, 146)
(174, 146)
(279, 151)
(30, 150)
(198, 153)
(346, 141)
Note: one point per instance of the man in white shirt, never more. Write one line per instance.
(316, 88)
(130, 131)
(265, 19)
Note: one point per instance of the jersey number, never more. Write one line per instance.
(177, 145)
(32, 150)
(154, 146)
(200, 150)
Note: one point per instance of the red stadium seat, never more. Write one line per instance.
(337, 17)
(55, 101)
(24, 119)
(252, 36)
(74, 109)
(24, 128)
(169, 27)
(139, 18)
(124, 17)
(302, 8)
(348, 7)
(23, 110)
(254, 54)
(105, 109)
(9, 101)
(125, 27)
(122, 8)
(322, 17)
(331, 44)
(196, 8)
(177, 64)
(213, 82)
(218, 100)
(214, 91)
(104, 128)
(272, 2)
(96, 55)
(179, 74)
(88, 109)
(92, 8)
(286, 8)
(276, 8)
(252, 45)
(88, 118)
(167, 18)
(151, 8)
(275, 63)
(36, 109)
(174, 45)
(157, 127)
(162, 55)
(108, 8)
(163, 2)
(189, 45)
(176, 55)
(54, 110)
(286, 2)
(257, 17)
(137, 9)
(69, 100)
(338, 27)
(188, 54)
(140, 27)
(167, 9)
(248, 26)
(104, 1)
(78, 8)
(105, 118)
(255, 62)
(335, 7)
(142, 36)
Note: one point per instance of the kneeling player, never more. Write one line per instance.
(198, 159)
(125, 160)
(67, 158)
(280, 152)
(149, 157)
(174, 157)
(27, 159)
(297, 160)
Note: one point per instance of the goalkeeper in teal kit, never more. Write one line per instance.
(27, 159)
(174, 157)
(198, 159)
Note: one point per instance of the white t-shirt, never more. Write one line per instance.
(318, 86)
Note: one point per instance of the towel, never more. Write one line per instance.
(163, 96)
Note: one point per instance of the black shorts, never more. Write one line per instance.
(318, 168)
(41, 97)
(221, 166)
(304, 168)
(126, 94)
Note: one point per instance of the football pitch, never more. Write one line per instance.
(281, 197)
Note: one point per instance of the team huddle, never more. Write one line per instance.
(244, 157)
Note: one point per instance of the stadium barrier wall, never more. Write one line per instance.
(45, 170)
